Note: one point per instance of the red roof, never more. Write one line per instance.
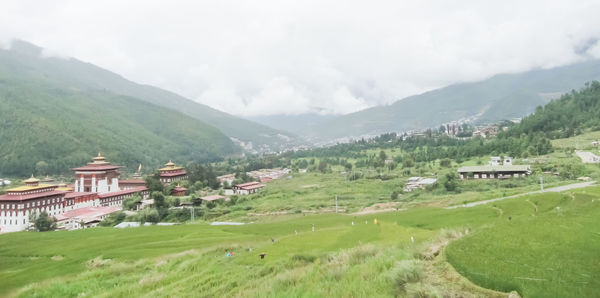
(212, 198)
(88, 212)
(178, 173)
(97, 168)
(247, 184)
(123, 192)
(71, 195)
(251, 187)
(179, 188)
(31, 196)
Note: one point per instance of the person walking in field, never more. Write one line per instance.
(313, 227)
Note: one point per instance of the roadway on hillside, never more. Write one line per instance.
(553, 189)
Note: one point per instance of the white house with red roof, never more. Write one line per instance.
(247, 188)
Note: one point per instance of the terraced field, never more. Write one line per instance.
(541, 246)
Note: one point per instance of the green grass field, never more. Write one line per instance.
(548, 249)
(582, 141)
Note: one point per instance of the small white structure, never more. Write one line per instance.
(418, 183)
(495, 161)
(226, 223)
(508, 161)
(130, 224)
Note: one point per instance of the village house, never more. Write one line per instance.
(213, 198)
(247, 188)
(226, 180)
(178, 191)
(495, 170)
(171, 173)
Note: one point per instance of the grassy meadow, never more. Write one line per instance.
(548, 248)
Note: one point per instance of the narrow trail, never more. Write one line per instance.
(553, 189)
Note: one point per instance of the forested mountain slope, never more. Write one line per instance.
(49, 124)
(25, 59)
(501, 97)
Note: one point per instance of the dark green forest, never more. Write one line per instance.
(47, 129)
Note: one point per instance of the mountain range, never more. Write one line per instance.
(500, 97)
(57, 112)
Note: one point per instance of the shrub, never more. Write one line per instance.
(407, 271)
(45, 223)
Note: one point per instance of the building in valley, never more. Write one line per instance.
(226, 180)
(96, 185)
(85, 217)
(22, 203)
(247, 188)
(497, 168)
(136, 182)
(415, 183)
(97, 176)
(171, 173)
(178, 191)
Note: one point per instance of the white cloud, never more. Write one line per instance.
(284, 57)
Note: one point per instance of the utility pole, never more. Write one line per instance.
(192, 214)
(336, 204)
(542, 183)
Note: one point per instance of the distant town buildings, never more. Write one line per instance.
(265, 175)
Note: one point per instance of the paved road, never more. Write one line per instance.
(553, 189)
(587, 157)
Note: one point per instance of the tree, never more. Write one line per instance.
(322, 166)
(131, 202)
(149, 215)
(446, 162)
(41, 168)
(394, 195)
(382, 155)
(154, 184)
(45, 223)
(408, 163)
(348, 166)
(450, 183)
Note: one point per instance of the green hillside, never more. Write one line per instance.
(500, 97)
(45, 119)
(25, 59)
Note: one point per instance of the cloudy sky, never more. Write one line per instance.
(291, 57)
